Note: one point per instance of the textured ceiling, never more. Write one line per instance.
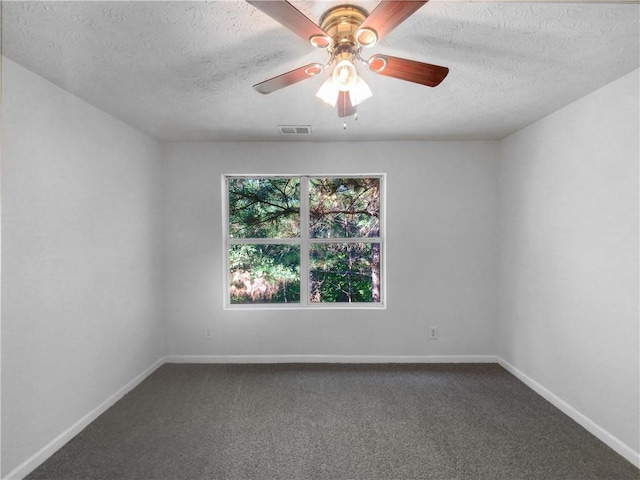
(183, 71)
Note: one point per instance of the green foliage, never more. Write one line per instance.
(344, 207)
(264, 207)
(264, 273)
(342, 272)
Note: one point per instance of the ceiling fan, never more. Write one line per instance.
(343, 31)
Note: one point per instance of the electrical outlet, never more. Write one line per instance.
(207, 333)
(433, 333)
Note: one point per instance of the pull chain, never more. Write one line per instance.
(355, 119)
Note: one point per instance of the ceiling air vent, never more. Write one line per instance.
(295, 129)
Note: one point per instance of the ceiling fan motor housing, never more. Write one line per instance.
(341, 24)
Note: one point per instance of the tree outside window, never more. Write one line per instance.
(304, 240)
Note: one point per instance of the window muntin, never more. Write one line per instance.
(303, 241)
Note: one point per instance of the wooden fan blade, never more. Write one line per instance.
(345, 109)
(409, 70)
(292, 18)
(289, 78)
(389, 14)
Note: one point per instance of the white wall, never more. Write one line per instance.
(569, 256)
(81, 229)
(441, 250)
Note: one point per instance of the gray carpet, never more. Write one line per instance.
(439, 421)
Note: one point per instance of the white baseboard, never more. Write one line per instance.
(596, 430)
(39, 457)
(331, 359)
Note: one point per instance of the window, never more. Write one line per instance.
(304, 241)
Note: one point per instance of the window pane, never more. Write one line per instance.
(344, 272)
(264, 207)
(344, 207)
(264, 273)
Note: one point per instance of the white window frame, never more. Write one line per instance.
(304, 241)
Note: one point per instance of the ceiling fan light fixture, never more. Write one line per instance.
(359, 92)
(328, 92)
(320, 41)
(344, 75)
(366, 37)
